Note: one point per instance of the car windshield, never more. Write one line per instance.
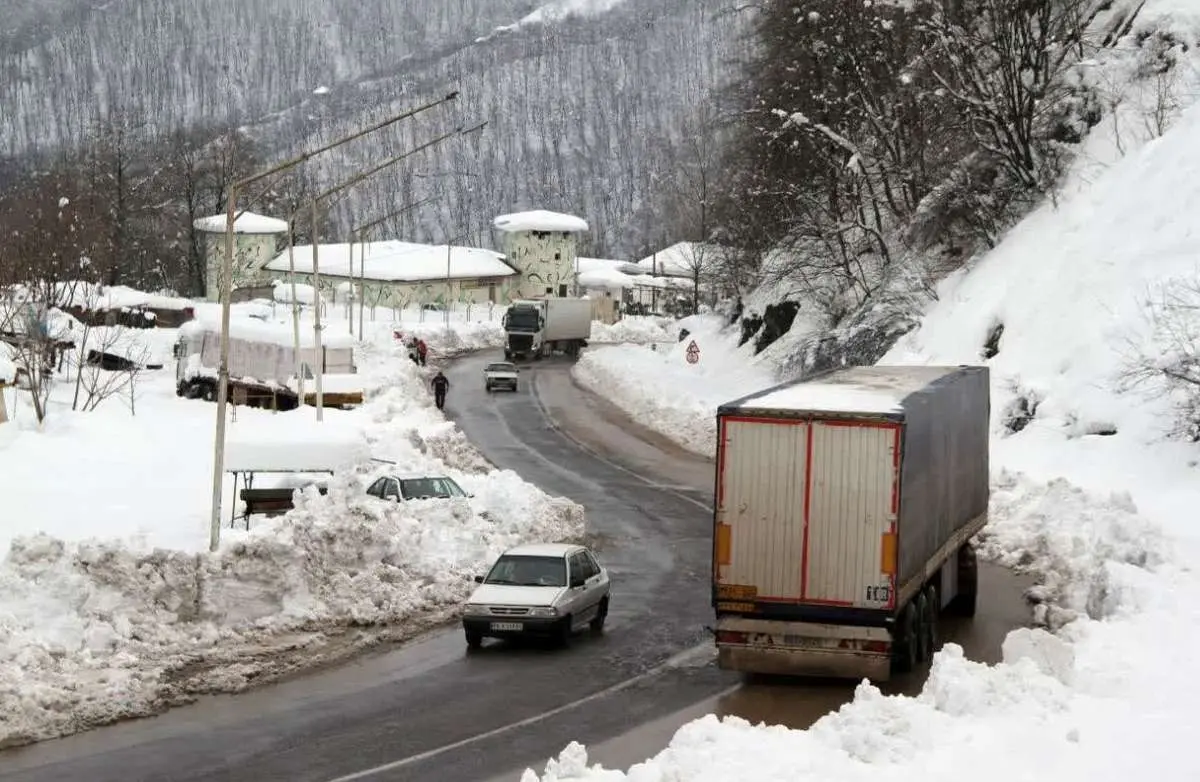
(429, 488)
(501, 367)
(513, 570)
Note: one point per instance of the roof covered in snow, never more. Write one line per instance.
(272, 332)
(246, 223)
(682, 259)
(540, 220)
(395, 261)
(870, 390)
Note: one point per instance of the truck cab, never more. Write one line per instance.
(524, 324)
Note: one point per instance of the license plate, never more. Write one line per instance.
(502, 627)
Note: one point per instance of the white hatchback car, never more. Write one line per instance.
(546, 589)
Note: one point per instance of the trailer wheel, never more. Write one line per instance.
(929, 625)
(963, 603)
(904, 641)
(209, 393)
(921, 631)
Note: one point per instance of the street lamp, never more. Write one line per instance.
(226, 290)
(358, 232)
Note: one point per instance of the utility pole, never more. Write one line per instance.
(226, 290)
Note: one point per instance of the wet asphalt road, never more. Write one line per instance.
(429, 711)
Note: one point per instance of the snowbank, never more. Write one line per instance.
(662, 391)
(637, 329)
(112, 607)
(1101, 700)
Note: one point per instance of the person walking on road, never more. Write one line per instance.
(422, 350)
(441, 384)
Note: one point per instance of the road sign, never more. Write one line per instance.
(693, 353)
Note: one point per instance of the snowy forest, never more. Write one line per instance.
(857, 152)
(140, 114)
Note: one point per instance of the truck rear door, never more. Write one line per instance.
(806, 512)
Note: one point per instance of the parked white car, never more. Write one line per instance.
(544, 589)
(402, 487)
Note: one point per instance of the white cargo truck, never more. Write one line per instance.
(539, 327)
(262, 365)
(844, 510)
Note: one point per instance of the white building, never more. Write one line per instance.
(685, 259)
(397, 274)
(255, 240)
(628, 283)
(542, 246)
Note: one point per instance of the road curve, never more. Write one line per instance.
(429, 711)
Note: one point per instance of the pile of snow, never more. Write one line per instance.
(662, 391)
(111, 605)
(442, 341)
(637, 329)
(304, 294)
(91, 296)
(1072, 705)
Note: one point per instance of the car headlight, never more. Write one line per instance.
(543, 611)
(475, 609)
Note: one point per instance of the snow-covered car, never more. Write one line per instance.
(401, 487)
(500, 374)
(543, 589)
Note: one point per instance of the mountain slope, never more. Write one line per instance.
(578, 106)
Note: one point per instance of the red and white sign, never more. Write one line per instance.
(693, 353)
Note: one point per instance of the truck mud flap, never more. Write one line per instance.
(803, 649)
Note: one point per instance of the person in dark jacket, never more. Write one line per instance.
(441, 384)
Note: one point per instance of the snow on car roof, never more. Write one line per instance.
(543, 550)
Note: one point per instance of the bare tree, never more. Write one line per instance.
(1167, 356)
(1002, 63)
(107, 361)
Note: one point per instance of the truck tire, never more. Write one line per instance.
(474, 639)
(963, 603)
(209, 392)
(904, 641)
(929, 626)
(921, 618)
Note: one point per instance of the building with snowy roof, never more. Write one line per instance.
(397, 274)
(542, 246)
(684, 259)
(255, 240)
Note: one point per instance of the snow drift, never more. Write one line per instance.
(96, 625)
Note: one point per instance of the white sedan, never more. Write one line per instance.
(546, 589)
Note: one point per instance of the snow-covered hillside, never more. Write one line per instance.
(1091, 492)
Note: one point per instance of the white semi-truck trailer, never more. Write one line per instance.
(539, 327)
(844, 510)
(262, 365)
